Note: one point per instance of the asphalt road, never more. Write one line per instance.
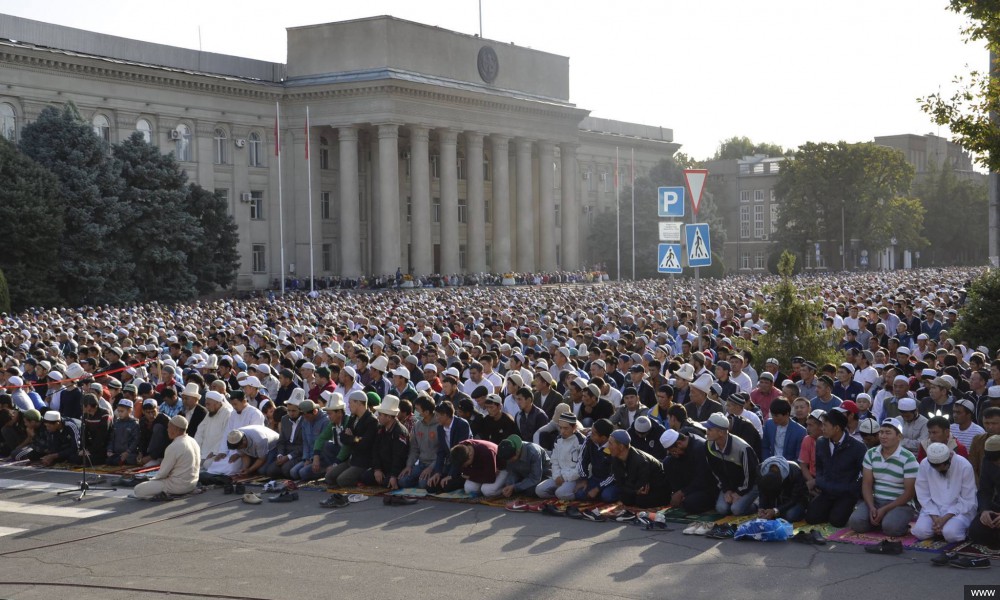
(213, 546)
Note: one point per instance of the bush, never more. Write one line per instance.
(979, 318)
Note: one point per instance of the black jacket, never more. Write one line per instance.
(65, 442)
(153, 437)
(71, 404)
(735, 467)
(492, 430)
(690, 473)
(392, 447)
(594, 462)
(650, 444)
(96, 434)
(839, 474)
(637, 470)
(199, 414)
(361, 439)
(742, 428)
(793, 492)
(707, 408)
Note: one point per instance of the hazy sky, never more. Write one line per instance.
(784, 71)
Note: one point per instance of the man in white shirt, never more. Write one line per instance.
(226, 461)
(212, 430)
(946, 490)
(178, 472)
(964, 428)
(737, 375)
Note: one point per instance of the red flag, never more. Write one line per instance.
(307, 133)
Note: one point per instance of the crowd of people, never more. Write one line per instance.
(602, 392)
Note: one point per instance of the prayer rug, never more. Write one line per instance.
(846, 536)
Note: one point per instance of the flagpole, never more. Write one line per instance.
(633, 214)
(618, 220)
(281, 211)
(312, 252)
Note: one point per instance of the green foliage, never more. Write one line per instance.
(213, 260)
(794, 319)
(962, 237)
(979, 319)
(739, 147)
(783, 263)
(30, 199)
(863, 184)
(5, 306)
(93, 266)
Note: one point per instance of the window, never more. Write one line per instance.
(486, 169)
(592, 180)
(258, 256)
(608, 180)
(8, 122)
(758, 195)
(488, 211)
(256, 152)
(772, 196)
(257, 205)
(758, 168)
(758, 260)
(557, 212)
(461, 168)
(221, 147)
(744, 222)
(463, 210)
(758, 221)
(462, 256)
(182, 144)
(744, 169)
(144, 127)
(324, 205)
(327, 257)
(744, 195)
(435, 166)
(744, 260)
(774, 218)
(436, 209)
(409, 209)
(324, 154)
(102, 128)
(775, 167)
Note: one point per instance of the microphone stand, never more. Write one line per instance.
(85, 486)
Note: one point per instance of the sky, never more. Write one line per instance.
(783, 71)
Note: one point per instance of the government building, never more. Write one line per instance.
(429, 151)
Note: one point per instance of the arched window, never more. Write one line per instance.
(144, 127)
(256, 154)
(183, 143)
(102, 127)
(221, 147)
(8, 122)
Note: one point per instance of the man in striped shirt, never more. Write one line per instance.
(888, 487)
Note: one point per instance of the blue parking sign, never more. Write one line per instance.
(670, 201)
(699, 245)
(668, 258)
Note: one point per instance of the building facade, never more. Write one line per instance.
(429, 151)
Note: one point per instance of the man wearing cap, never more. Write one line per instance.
(252, 444)
(565, 461)
(637, 380)
(596, 479)
(527, 465)
(839, 459)
(807, 379)
(123, 442)
(327, 448)
(868, 432)
(783, 490)
(688, 473)
(734, 464)
(765, 393)
(313, 423)
(940, 400)
(845, 387)
(497, 425)
(212, 430)
(288, 450)
(638, 476)
(178, 473)
(889, 473)
(985, 527)
(401, 386)
(225, 461)
(391, 447)
(887, 401)
(782, 436)
(191, 408)
(153, 438)
(946, 490)
(701, 406)
(963, 427)
(645, 434)
(629, 411)
(58, 442)
(545, 396)
(357, 439)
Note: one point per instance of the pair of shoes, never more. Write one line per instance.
(239, 489)
(573, 512)
(228, 489)
(517, 506)
(251, 499)
(390, 500)
(641, 519)
(335, 501)
(721, 532)
(161, 497)
(698, 528)
(970, 562)
(594, 515)
(942, 560)
(356, 498)
(553, 511)
(285, 496)
(885, 547)
(276, 486)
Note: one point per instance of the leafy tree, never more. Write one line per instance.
(739, 147)
(5, 306)
(863, 184)
(794, 319)
(30, 198)
(960, 236)
(979, 319)
(967, 112)
(213, 259)
(160, 232)
(94, 267)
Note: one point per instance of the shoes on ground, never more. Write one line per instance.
(335, 501)
(228, 489)
(942, 560)
(517, 506)
(594, 515)
(885, 547)
(390, 500)
(625, 516)
(239, 489)
(285, 496)
(161, 497)
(356, 498)
(573, 512)
(553, 511)
(721, 532)
(970, 562)
(251, 499)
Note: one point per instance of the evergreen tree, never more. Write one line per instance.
(4, 294)
(979, 319)
(31, 217)
(160, 233)
(213, 259)
(94, 267)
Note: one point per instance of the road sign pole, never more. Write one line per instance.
(697, 300)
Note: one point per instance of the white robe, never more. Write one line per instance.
(249, 416)
(212, 430)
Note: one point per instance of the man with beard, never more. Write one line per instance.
(212, 429)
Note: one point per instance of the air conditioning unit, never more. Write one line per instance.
(245, 197)
(174, 134)
(240, 142)
(764, 237)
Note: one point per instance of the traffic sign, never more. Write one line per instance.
(668, 258)
(670, 231)
(695, 179)
(670, 201)
(699, 245)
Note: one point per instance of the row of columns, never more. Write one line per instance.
(387, 227)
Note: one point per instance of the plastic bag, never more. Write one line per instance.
(764, 530)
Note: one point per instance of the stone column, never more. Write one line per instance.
(420, 195)
(501, 205)
(448, 140)
(546, 209)
(476, 238)
(570, 209)
(525, 213)
(387, 240)
(350, 211)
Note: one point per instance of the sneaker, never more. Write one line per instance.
(703, 528)
(390, 500)
(553, 511)
(594, 515)
(239, 489)
(970, 562)
(720, 532)
(536, 506)
(690, 529)
(251, 499)
(227, 489)
(356, 498)
(335, 501)
(625, 516)
(885, 547)
(517, 506)
(641, 519)
(942, 560)
(161, 497)
(573, 512)
(284, 497)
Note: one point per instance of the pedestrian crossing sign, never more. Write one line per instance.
(699, 245)
(668, 258)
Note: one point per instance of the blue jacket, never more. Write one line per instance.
(839, 474)
(460, 431)
(311, 431)
(794, 434)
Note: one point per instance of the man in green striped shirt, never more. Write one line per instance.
(888, 487)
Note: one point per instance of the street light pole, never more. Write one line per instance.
(843, 241)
